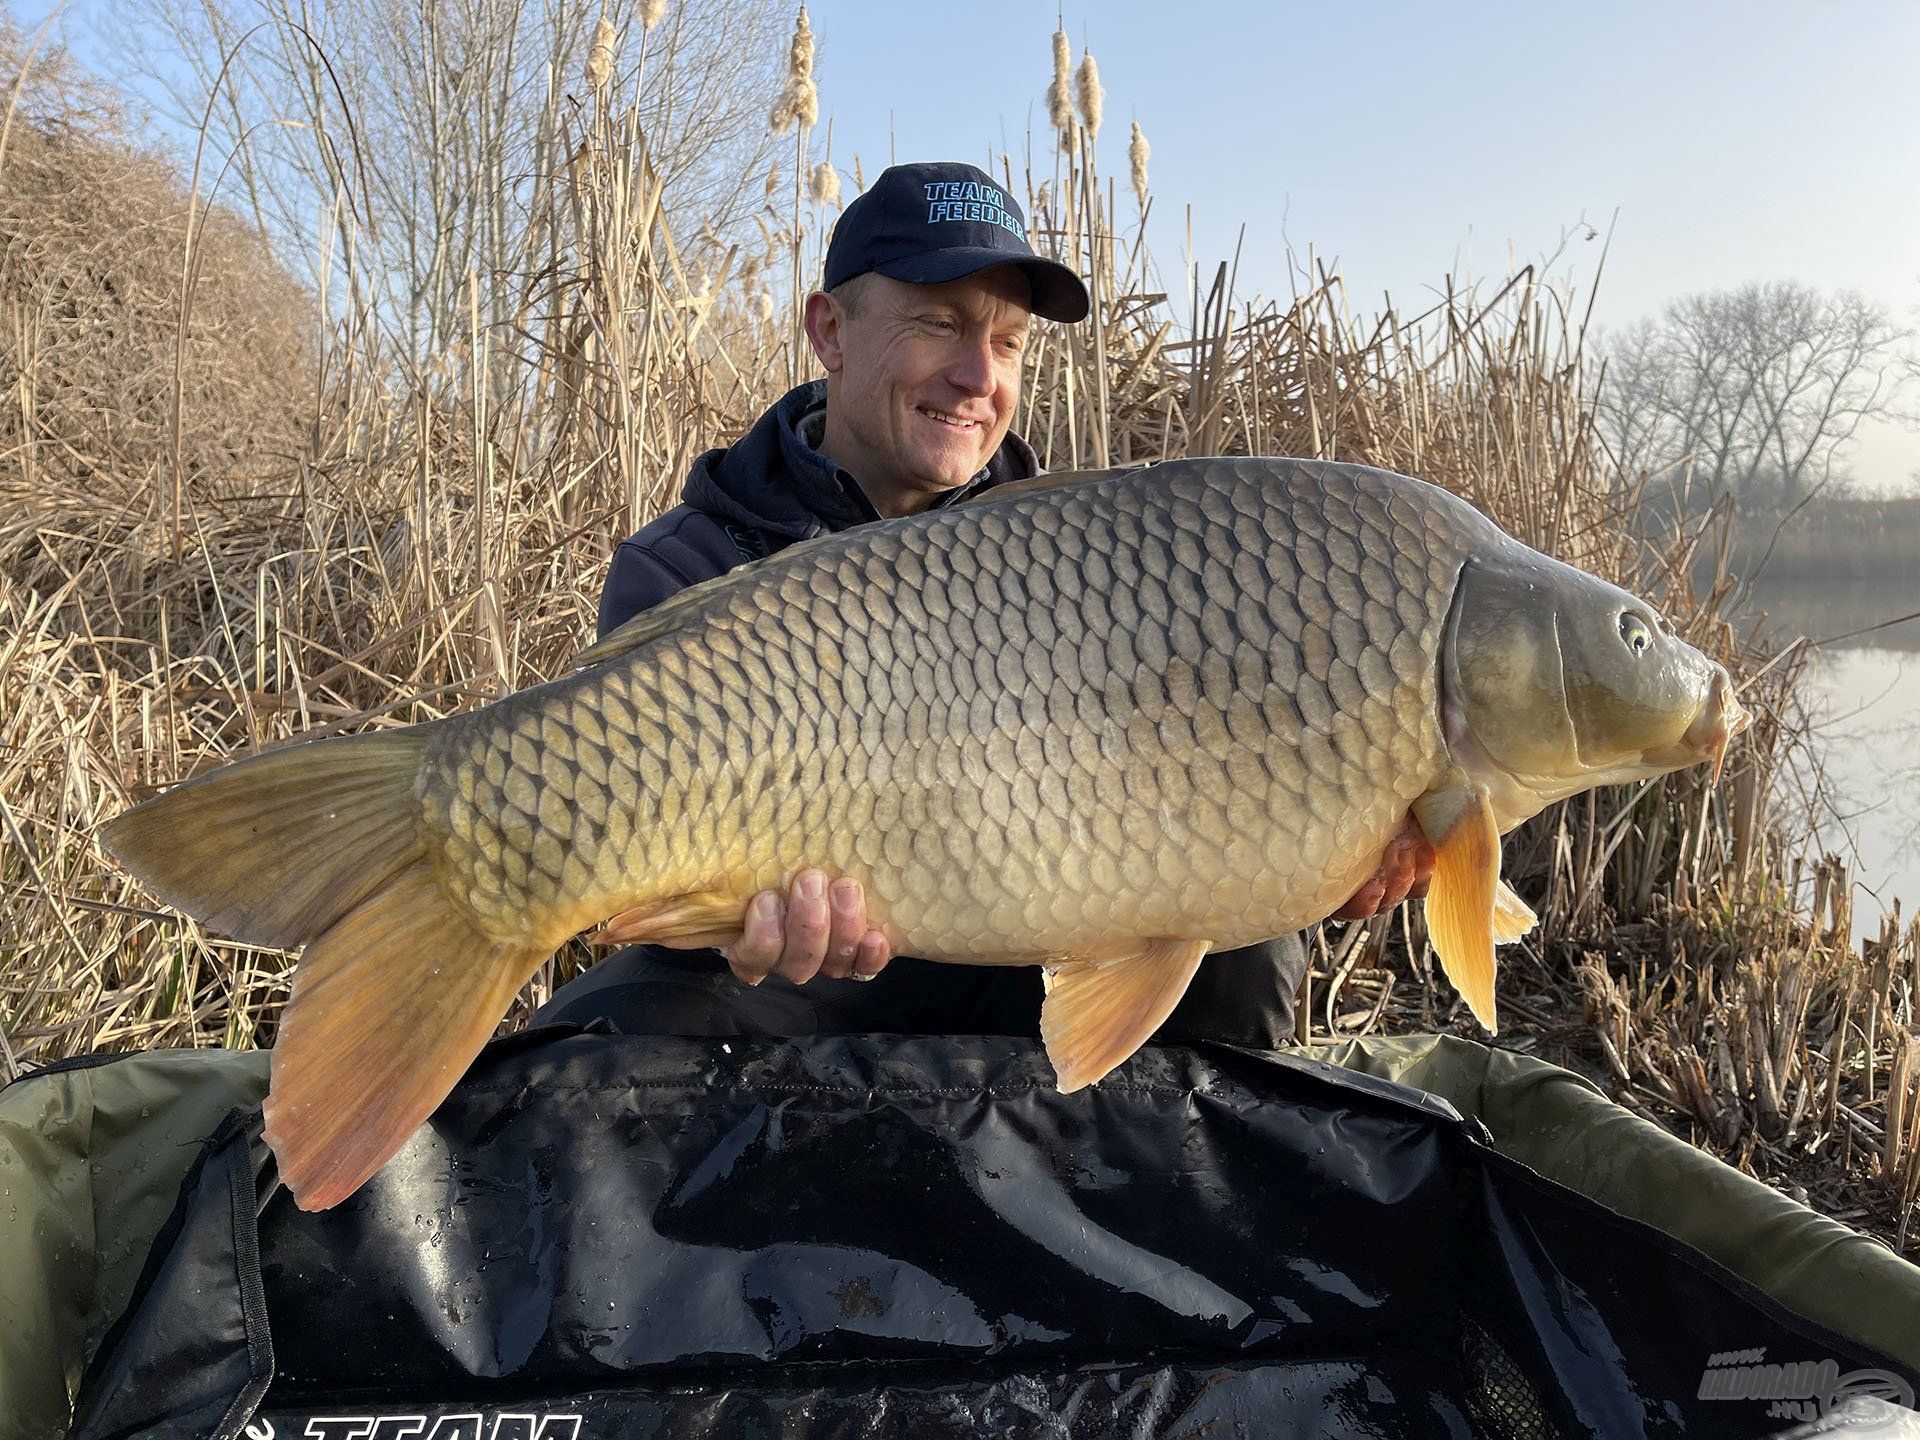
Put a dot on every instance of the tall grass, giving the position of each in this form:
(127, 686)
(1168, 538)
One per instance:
(403, 551)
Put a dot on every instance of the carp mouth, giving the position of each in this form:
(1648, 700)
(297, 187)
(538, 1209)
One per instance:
(1721, 717)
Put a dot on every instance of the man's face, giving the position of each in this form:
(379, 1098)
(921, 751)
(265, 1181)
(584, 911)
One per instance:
(924, 380)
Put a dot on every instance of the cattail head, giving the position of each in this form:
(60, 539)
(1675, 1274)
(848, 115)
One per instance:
(652, 12)
(1043, 197)
(859, 175)
(1091, 94)
(1137, 153)
(763, 305)
(800, 49)
(600, 54)
(824, 184)
(800, 100)
(1060, 94)
(806, 103)
(773, 177)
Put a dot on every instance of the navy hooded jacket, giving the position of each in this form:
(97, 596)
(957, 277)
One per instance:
(754, 498)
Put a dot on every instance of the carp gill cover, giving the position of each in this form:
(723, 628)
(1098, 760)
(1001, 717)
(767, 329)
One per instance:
(1100, 723)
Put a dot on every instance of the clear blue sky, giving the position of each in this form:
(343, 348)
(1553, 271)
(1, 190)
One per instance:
(1750, 141)
(1737, 141)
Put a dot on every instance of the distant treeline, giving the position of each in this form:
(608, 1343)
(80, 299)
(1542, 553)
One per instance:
(1832, 540)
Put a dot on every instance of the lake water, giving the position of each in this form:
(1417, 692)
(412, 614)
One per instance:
(1865, 701)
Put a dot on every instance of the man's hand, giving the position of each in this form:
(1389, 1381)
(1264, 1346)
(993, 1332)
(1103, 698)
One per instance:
(820, 929)
(1405, 870)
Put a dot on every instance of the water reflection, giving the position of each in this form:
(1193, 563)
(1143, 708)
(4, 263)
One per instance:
(1864, 699)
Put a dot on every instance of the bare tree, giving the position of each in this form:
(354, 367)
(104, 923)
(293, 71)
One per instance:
(1760, 387)
(414, 153)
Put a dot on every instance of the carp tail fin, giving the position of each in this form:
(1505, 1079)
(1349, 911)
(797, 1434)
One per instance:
(388, 1009)
(275, 848)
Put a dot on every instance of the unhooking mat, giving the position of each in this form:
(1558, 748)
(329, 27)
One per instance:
(880, 1235)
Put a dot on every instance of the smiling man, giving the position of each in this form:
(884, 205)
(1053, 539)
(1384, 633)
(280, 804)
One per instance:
(930, 294)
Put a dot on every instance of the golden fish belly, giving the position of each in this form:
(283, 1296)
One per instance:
(1195, 703)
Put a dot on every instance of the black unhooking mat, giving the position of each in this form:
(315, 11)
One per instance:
(884, 1236)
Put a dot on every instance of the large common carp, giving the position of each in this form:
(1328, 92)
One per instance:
(1101, 724)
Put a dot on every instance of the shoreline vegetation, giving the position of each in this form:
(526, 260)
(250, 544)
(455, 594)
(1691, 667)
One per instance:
(235, 510)
(1840, 542)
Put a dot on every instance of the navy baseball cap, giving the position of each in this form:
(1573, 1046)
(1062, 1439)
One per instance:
(927, 224)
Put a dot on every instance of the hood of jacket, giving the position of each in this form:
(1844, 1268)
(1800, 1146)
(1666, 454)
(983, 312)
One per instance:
(772, 479)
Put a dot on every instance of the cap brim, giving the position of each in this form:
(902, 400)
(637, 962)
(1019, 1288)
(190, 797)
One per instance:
(1057, 291)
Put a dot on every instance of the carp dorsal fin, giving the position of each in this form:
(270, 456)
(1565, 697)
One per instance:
(1098, 1012)
(679, 607)
(649, 624)
(1052, 481)
(1464, 895)
(675, 610)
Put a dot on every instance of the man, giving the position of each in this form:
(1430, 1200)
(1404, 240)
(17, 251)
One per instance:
(925, 312)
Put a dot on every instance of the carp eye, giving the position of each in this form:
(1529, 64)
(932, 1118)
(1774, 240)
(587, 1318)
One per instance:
(1634, 631)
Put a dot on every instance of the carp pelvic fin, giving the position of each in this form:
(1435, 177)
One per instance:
(389, 1007)
(1512, 916)
(693, 921)
(1462, 899)
(1098, 1012)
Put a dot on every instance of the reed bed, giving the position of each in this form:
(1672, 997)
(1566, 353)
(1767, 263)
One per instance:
(189, 573)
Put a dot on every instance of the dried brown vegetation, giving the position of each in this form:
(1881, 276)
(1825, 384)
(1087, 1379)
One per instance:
(408, 549)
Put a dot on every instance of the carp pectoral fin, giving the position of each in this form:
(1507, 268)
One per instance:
(1098, 1012)
(693, 921)
(1466, 879)
(1512, 916)
(389, 1007)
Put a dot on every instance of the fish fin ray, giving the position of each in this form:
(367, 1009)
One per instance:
(1512, 916)
(1098, 1012)
(1053, 481)
(275, 848)
(670, 614)
(389, 1008)
(1460, 902)
(692, 921)
(683, 605)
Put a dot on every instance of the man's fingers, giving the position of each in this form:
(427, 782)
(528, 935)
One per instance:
(817, 930)
(848, 923)
(872, 955)
(753, 956)
(808, 925)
